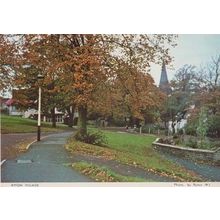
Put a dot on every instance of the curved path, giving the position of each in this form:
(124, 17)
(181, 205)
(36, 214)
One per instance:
(10, 143)
(45, 161)
(208, 172)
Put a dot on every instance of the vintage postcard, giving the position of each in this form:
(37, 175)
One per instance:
(100, 109)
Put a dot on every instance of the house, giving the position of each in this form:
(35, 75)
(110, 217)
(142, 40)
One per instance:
(12, 109)
(10, 106)
(33, 113)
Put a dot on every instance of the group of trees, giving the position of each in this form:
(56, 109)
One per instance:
(196, 92)
(105, 74)
(108, 75)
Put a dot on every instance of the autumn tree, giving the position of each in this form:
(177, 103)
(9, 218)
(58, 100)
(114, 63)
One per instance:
(135, 95)
(75, 61)
(85, 69)
(37, 51)
(133, 92)
(125, 61)
(8, 52)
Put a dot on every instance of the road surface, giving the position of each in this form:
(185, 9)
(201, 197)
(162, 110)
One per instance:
(45, 161)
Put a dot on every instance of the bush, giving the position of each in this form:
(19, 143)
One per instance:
(118, 122)
(214, 126)
(190, 129)
(180, 132)
(191, 143)
(166, 140)
(96, 138)
(176, 139)
(215, 144)
(175, 136)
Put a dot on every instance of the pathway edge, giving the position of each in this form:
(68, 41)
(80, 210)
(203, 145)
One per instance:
(27, 147)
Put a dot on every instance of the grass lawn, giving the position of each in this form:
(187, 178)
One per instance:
(134, 150)
(103, 174)
(13, 124)
(126, 142)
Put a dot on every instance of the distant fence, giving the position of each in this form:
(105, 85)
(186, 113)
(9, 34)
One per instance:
(191, 153)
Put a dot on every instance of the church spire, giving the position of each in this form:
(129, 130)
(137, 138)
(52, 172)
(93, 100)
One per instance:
(164, 83)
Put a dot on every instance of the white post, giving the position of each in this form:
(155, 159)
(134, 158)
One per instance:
(39, 114)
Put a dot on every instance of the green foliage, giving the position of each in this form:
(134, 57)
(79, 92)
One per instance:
(214, 126)
(176, 139)
(202, 125)
(94, 137)
(190, 129)
(175, 136)
(180, 132)
(215, 144)
(129, 142)
(149, 127)
(191, 143)
(119, 122)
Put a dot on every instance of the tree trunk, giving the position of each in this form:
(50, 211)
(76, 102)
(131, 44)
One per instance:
(166, 128)
(53, 116)
(70, 113)
(82, 122)
(131, 121)
(173, 127)
(70, 122)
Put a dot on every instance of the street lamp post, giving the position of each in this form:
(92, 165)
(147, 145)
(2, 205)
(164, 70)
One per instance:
(39, 77)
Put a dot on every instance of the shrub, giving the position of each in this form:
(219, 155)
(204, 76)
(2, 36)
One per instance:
(177, 141)
(191, 143)
(202, 125)
(180, 132)
(118, 122)
(166, 140)
(175, 136)
(190, 129)
(215, 144)
(214, 126)
(96, 138)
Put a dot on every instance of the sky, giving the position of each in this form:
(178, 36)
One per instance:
(196, 49)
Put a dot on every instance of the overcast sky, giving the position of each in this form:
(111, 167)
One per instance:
(191, 49)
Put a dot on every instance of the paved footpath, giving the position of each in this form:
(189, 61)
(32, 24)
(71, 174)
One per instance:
(10, 143)
(45, 161)
(208, 172)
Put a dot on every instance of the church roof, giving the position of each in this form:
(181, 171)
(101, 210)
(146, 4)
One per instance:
(164, 83)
